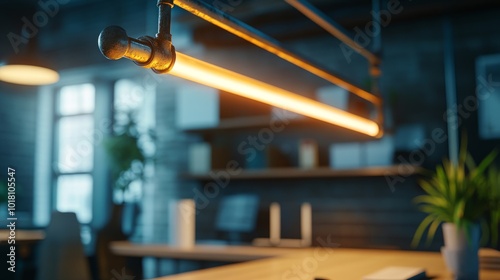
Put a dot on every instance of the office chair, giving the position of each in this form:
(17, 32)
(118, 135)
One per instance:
(61, 254)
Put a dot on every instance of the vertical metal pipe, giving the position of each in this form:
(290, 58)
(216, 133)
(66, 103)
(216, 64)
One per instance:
(377, 39)
(376, 48)
(375, 71)
(332, 27)
(164, 19)
(451, 91)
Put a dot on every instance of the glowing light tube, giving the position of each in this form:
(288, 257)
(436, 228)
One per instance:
(213, 76)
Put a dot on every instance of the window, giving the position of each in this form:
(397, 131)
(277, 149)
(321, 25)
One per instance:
(74, 150)
(73, 168)
(488, 97)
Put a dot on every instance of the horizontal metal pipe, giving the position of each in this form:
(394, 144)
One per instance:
(254, 36)
(332, 27)
(138, 51)
(114, 44)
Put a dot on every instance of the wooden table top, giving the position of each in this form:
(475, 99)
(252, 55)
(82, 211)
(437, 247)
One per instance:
(341, 264)
(22, 235)
(198, 252)
(291, 264)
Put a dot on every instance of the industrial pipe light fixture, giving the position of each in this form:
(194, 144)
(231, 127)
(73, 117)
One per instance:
(159, 54)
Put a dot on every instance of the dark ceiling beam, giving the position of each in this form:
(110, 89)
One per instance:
(289, 24)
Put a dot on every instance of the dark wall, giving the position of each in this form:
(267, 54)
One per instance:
(356, 212)
(18, 113)
(364, 212)
(17, 140)
(482, 38)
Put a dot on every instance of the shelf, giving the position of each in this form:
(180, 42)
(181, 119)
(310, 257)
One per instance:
(235, 124)
(240, 122)
(307, 127)
(322, 172)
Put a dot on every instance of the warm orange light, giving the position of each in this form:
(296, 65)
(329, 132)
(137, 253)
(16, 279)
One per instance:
(28, 75)
(213, 76)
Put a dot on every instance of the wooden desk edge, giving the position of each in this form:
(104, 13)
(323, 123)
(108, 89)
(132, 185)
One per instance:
(198, 252)
(269, 256)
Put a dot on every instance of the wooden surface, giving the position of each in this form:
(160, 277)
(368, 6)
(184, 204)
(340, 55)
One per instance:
(199, 252)
(321, 172)
(22, 235)
(281, 263)
(338, 264)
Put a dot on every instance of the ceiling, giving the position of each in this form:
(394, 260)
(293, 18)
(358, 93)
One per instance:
(80, 21)
(274, 17)
(281, 21)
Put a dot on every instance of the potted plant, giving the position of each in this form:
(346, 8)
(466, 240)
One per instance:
(128, 157)
(127, 154)
(465, 199)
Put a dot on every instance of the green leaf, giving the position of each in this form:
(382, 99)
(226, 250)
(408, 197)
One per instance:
(433, 200)
(421, 229)
(481, 168)
(432, 231)
(429, 188)
(458, 212)
(443, 213)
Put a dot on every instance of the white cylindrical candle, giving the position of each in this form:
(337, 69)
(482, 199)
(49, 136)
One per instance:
(274, 223)
(306, 224)
(182, 223)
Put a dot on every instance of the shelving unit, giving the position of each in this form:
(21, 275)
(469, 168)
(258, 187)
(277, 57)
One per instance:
(240, 119)
(321, 172)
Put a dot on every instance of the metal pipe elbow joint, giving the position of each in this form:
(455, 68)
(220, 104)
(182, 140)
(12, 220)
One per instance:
(148, 52)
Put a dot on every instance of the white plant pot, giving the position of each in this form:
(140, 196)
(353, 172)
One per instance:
(461, 252)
